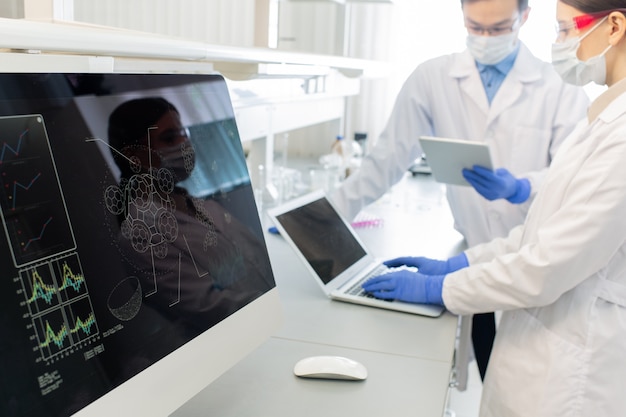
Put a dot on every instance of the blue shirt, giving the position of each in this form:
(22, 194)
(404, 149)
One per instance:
(493, 75)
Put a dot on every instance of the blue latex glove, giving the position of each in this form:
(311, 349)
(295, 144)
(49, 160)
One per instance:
(498, 184)
(429, 266)
(408, 286)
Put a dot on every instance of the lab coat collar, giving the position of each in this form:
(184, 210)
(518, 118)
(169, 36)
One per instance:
(603, 102)
(525, 67)
(525, 70)
(464, 69)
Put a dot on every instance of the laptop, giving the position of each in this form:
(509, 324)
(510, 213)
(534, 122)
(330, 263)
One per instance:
(333, 253)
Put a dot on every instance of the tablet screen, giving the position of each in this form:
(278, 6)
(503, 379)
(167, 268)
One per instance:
(448, 157)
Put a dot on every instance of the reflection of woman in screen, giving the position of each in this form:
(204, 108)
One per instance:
(195, 259)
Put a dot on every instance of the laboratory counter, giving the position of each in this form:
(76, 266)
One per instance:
(409, 358)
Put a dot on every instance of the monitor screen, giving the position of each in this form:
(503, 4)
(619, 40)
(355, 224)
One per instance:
(130, 240)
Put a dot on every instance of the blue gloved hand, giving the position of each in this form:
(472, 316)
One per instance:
(408, 286)
(498, 184)
(429, 266)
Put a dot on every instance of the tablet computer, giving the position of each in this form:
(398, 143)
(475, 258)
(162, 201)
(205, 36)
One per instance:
(448, 157)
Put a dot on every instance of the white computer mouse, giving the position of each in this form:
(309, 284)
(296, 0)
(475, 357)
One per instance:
(330, 367)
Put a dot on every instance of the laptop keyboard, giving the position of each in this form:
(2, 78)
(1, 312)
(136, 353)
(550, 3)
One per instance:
(357, 289)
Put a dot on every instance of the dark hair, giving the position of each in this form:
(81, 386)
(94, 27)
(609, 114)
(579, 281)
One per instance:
(129, 122)
(521, 4)
(594, 6)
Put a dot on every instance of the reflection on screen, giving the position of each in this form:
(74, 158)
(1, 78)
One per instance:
(129, 228)
(219, 167)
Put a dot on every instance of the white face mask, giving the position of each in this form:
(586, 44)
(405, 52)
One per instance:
(572, 69)
(179, 159)
(489, 50)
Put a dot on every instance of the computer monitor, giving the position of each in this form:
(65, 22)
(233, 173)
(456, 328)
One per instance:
(134, 267)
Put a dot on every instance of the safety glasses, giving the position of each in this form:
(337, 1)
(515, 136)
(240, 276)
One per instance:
(581, 22)
(497, 30)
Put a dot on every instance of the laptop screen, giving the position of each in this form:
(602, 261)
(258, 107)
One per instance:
(323, 238)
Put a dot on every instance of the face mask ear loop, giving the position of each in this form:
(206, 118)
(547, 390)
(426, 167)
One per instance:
(605, 51)
(594, 27)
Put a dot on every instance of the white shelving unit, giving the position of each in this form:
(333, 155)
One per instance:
(273, 91)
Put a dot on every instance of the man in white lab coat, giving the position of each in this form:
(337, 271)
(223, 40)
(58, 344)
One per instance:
(495, 92)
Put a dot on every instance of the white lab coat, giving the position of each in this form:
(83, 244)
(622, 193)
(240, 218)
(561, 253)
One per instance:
(528, 119)
(560, 349)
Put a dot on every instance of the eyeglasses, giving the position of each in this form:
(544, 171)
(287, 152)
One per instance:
(563, 29)
(172, 136)
(500, 29)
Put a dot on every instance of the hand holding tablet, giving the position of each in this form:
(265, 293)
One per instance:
(448, 157)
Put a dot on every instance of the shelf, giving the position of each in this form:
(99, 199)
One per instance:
(69, 38)
(272, 91)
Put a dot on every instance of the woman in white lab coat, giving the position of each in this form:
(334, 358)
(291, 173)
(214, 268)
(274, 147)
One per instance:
(560, 278)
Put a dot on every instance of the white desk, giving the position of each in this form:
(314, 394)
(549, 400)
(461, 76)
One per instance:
(408, 357)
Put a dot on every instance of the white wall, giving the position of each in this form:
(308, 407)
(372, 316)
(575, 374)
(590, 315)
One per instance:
(227, 22)
(404, 34)
(12, 9)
